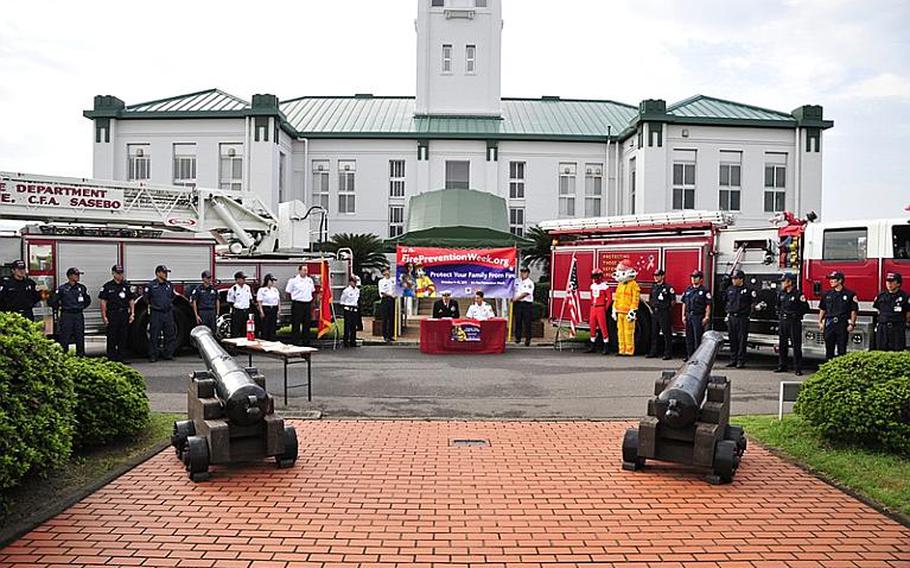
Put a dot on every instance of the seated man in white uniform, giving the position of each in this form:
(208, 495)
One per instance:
(480, 310)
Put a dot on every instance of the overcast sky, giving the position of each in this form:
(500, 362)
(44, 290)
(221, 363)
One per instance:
(853, 57)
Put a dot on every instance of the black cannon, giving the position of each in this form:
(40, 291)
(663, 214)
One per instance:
(231, 415)
(688, 419)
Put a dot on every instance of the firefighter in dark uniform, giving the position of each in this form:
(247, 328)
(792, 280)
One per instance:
(117, 312)
(837, 315)
(661, 301)
(791, 307)
(206, 302)
(159, 294)
(19, 293)
(893, 307)
(71, 299)
(738, 304)
(696, 311)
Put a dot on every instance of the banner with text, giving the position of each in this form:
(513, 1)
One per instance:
(644, 261)
(427, 272)
(30, 194)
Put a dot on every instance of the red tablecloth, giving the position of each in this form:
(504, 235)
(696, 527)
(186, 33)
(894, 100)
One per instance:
(463, 336)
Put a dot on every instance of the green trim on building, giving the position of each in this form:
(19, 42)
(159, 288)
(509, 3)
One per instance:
(366, 116)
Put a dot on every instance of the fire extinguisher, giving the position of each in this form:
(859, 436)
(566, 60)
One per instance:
(250, 328)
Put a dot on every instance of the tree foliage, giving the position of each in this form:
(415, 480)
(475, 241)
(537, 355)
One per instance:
(537, 254)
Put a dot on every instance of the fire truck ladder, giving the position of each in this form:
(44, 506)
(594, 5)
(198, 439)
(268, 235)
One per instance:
(248, 221)
(654, 221)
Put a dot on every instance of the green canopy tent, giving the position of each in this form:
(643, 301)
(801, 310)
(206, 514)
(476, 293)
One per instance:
(458, 218)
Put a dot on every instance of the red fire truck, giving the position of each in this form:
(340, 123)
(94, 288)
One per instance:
(680, 242)
(141, 226)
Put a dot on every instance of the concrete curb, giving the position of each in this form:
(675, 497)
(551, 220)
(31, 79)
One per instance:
(8, 534)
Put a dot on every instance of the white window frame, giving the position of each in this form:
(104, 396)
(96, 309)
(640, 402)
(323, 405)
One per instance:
(228, 176)
(450, 183)
(517, 221)
(776, 190)
(396, 220)
(633, 183)
(321, 178)
(729, 190)
(138, 162)
(567, 193)
(470, 59)
(684, 189)
(184, 164)
(282, 176)
(517, 170)
(447, 58)
(347, 181)
(594, 189)
(397, 169)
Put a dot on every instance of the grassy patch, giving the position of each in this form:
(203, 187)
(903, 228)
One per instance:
(880, 476)
(84, 468)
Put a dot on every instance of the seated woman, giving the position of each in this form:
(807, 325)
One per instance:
(480, 310)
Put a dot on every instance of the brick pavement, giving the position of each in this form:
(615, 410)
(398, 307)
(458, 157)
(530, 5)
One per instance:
(398, 493)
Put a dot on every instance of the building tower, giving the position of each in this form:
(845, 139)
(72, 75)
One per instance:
(458, 57)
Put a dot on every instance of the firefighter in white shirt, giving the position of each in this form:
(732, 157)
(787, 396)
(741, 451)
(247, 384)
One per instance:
(387, 305)
(480, 310)
(523, 304)
(239, 296)
(300, 290)
(597, 318)
(350, 303)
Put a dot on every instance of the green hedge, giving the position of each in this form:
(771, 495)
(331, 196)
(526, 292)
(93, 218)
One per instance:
(369, 294)
(861, 398)
(112, 403)
(36, 401)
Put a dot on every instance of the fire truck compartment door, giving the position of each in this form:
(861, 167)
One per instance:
(95, 261)
(186, 260)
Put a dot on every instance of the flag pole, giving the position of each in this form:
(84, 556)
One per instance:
(557, 344)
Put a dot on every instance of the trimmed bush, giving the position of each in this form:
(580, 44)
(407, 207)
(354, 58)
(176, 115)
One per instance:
(112, 403)
(861, 398)
(36, 412)
(369, 294)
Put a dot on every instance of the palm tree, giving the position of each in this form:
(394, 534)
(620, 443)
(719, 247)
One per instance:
(537, 253)
(368, 252)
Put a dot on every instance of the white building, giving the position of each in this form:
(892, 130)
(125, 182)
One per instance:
(363, 156)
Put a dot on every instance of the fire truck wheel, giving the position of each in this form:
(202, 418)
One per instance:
(138, 334)
(643, 330)
(223, 325)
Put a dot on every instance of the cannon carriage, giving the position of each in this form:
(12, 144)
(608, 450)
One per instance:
(688, 420)
(231, 415)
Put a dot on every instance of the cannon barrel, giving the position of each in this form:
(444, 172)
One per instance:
(678, 405)
(245, 402)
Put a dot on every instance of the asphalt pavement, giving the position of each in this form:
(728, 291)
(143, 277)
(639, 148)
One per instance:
(527, 383)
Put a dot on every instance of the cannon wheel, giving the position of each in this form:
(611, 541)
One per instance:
(630, 459)
(196, 458)
(726, 460)
(183, 429)
(736, 434)
(289, 457)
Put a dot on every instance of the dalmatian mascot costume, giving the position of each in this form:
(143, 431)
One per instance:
(625, 306)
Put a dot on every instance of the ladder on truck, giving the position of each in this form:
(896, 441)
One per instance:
(244, 221)
(647, 221)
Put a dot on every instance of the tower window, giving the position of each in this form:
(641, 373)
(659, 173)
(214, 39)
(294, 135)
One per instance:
(437, 3)
(480, 3)
(446, 58)
(470, 54)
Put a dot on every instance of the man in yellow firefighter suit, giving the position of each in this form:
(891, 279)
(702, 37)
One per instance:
(625, 307)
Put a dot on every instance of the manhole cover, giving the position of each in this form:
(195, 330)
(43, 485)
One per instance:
(470, 442)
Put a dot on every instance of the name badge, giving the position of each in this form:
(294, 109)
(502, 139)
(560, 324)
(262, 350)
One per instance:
(122, 294)
(660, 296)
(897, 308)
(81, 299)
(845, 298)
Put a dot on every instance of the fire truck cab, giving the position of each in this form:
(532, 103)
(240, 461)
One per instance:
(680, 242)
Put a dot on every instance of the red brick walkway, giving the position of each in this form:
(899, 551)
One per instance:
(397, 493)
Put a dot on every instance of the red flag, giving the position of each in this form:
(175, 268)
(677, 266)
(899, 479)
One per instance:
(325, 300)
(573, 296)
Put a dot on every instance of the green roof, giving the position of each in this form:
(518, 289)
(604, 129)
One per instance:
(457, 218)
(211, 100)
(547, 118)
(701, 106)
